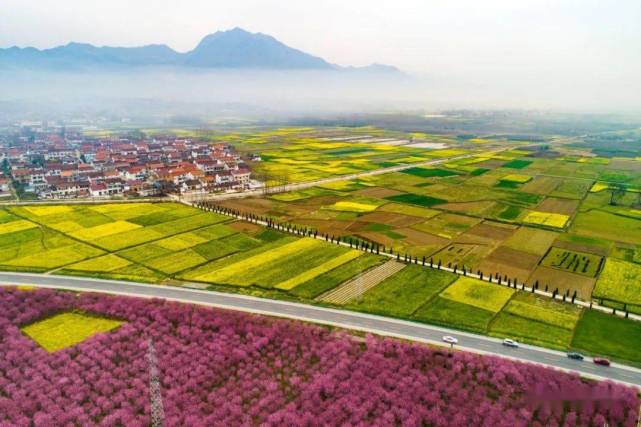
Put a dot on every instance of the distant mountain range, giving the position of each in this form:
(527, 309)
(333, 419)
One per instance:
(233, 49)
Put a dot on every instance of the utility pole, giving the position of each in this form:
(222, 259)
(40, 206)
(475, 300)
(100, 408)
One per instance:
(157, 410)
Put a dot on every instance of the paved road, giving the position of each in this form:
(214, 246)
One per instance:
(340, 318)
(309, 184)
(252, 193)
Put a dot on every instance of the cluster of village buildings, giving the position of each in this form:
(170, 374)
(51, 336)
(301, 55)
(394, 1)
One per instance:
(55, 166)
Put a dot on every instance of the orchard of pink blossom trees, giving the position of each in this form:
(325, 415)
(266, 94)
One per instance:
(228, 368)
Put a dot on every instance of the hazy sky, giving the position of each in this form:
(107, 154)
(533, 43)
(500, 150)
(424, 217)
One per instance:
(417, 35)
(556, 45)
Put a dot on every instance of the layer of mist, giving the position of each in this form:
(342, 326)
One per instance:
(266, 94)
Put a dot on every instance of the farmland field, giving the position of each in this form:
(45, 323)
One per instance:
(478, 294)
(604, 335)
(537, 320)
(518, 214)
(546, 218)
(403, 293)
(324, 282)
(620, 281)
(531, 240)
(439, 213)
(574, 262)
(67, 329)
(447, 312)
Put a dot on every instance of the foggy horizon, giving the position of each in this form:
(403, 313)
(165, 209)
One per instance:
(567, 56)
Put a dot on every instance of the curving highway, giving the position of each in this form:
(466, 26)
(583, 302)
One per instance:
(339, 318)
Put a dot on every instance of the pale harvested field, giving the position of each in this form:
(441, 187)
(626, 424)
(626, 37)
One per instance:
(376, 237)
(563, 280)
(246, 227)
(419, 238)
(389, 218)
(356, 287)
(490, 164)
(494, 231)
(318, 202)
(510, 262)
(323, 226)
(429, 145)
(542, 185)
(531, 240)
(447, 225)
(416, 211)
(463, 254)
(627, 165)
(469, 207)
(255, 206)
(473, 239)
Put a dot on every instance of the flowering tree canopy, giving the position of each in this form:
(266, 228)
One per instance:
(219, 367)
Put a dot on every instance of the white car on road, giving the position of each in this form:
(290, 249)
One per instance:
(450, 339)
(508, 342)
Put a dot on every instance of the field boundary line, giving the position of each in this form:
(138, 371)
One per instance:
(443, 329)
(347, 326)
(342, 294)
(309, 233)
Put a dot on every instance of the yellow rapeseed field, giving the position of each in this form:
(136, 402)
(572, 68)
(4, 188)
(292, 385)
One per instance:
(352, 207)
(103, 230)
(546, 218)
(256, 261)
(48, 210)
(317, 271)
(19, 225)
(67, 329)
(598, 186)
(478, 294)
(517, 178)
(105, 263)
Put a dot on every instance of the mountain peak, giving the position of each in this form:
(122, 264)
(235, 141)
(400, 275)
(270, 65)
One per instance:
(234, 48)
(235, 33)
(238, 48)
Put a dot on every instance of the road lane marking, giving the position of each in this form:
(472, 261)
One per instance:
(347, 319)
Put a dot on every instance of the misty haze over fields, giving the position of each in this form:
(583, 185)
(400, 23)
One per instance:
(306, 91)
(564, 56)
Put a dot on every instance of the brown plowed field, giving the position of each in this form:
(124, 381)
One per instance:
(564, 281)
(560, 206)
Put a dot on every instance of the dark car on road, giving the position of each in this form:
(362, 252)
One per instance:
(601, 361)
(575, 356)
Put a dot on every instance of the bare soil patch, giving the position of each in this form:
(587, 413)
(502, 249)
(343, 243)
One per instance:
(492, 231)
(627, 165)
(391, 219)
(255, 206)
(419, 238)
(378, 192)
(510, 262)
(331, 227)
(542, 185)
(373, 236)
(490, 164)
(582, 247)
(469, 207)
(560, 206)
(463, 254)
(531, 240)
(564, 281)
(246, 227)
(319, 202)
(549, 154)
